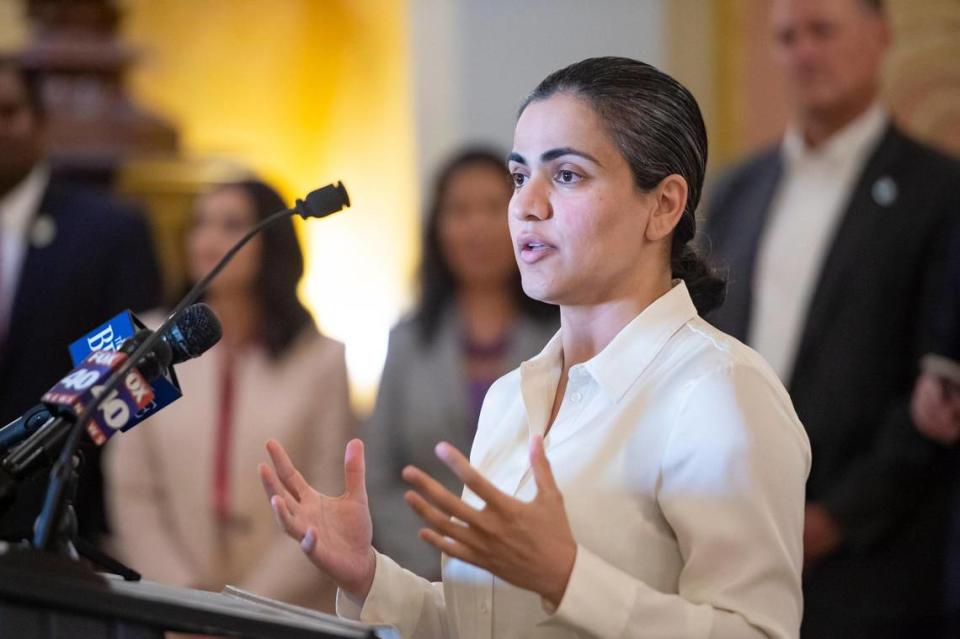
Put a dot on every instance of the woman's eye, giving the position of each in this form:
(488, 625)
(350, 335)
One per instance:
(566, 176)
(518, 179)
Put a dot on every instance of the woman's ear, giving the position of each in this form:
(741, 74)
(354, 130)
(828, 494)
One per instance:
(669, 201)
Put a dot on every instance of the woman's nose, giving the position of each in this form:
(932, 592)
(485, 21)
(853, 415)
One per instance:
(530, 201)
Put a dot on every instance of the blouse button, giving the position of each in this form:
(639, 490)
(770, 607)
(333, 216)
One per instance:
(576, 397)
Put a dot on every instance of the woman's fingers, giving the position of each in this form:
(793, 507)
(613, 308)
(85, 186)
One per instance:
(282, 502)
(309, 540)
(354, 471)
(286, 519)
(273, 486)
(274, 508)
(470, 476)
(441, 521)
(286, 471)
(440, 496)
(452, 547)
(263, 472)
(542, 472)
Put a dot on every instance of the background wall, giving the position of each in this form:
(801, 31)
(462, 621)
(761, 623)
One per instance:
(474, 61)
(306, 95)
(921, 76)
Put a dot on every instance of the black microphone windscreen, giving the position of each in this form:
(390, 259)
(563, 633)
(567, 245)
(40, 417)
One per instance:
(194, 333)
(323, 202)
(153, 363)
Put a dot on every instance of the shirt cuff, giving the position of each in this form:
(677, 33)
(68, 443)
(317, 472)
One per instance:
(395, 598)
(347, 607)
(598, 598)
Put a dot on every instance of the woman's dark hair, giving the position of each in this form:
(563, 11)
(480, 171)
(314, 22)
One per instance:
(438, 286)
(282, 316)
(656, 124)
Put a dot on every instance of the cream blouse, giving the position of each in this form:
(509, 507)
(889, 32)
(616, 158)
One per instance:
(682, 465)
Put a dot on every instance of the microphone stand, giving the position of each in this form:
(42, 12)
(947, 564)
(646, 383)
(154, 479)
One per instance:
(67, 545)
(320, 203)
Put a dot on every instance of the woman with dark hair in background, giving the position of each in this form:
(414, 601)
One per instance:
(644, 475)
(183, 506)
(473, 324)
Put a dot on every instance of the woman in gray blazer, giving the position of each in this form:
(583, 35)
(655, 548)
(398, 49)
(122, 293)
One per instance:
(472, 325)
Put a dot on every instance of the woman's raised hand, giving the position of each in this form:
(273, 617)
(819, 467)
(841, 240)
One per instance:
(335, 532)
(529, 544)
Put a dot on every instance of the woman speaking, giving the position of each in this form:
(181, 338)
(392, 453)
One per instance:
(643, 476)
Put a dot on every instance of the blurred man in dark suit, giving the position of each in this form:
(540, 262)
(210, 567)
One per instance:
(833, 242)
(70, 258)
(935, 408)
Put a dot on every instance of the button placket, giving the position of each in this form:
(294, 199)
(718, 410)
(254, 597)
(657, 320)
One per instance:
(578, 379)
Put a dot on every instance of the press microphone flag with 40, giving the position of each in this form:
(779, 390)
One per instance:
(85, 383)
(110, 336)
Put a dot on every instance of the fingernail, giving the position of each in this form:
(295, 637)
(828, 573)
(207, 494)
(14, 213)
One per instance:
(306, 544)
(441, 450)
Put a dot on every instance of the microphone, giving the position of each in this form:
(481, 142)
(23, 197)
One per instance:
(24, 426)
(36, 439)
(318, 204)
(82, 387)
(194, 333)
(323, 202)
(72, 396)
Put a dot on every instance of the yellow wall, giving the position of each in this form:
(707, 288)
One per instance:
(305, 92)
(13, 25)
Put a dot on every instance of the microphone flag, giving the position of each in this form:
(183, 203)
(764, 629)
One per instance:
(85, 383)
(110, 336)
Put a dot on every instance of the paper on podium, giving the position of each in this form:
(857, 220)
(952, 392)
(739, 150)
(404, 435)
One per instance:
(240, 606)
(281, 607)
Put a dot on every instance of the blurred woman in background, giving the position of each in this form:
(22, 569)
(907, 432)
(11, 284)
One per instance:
(272, 375)
(472, 325)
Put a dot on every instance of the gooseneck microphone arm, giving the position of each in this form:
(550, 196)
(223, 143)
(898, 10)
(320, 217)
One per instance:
(320, 203)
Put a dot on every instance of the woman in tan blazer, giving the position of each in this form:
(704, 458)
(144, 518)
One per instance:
(184, 506)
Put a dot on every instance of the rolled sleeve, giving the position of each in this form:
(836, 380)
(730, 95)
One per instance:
(607, 602)
(398, 598)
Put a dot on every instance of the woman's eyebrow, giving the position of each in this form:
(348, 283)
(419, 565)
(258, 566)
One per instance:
(553, 154)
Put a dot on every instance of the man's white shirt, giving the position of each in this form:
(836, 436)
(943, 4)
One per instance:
(813, 193)
(17, 209)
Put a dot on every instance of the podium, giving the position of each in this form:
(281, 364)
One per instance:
(46, 597)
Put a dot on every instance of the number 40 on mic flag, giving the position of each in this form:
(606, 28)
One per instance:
(108, 337)
(85, 383)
